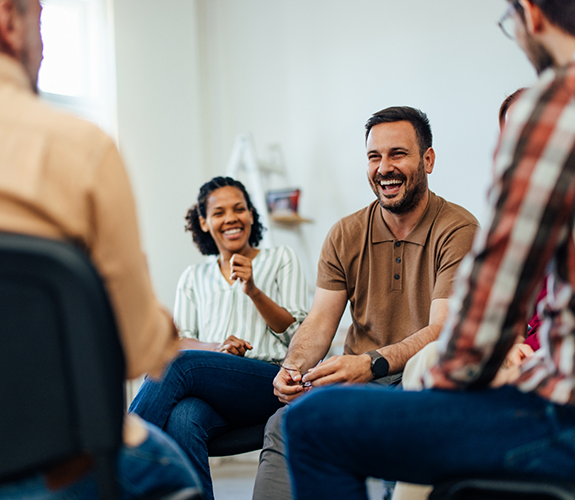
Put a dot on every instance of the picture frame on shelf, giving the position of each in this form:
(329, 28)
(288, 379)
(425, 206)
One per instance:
(283, 205)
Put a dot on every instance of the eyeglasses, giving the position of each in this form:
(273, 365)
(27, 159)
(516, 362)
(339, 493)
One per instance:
(302, 383)
(507, 23)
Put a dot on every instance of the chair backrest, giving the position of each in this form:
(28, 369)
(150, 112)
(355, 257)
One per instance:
(62, 367)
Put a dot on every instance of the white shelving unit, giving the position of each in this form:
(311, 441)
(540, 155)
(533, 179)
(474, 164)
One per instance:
(245, 166)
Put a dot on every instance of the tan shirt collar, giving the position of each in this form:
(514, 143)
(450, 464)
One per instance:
(418, 234)
(12, 72)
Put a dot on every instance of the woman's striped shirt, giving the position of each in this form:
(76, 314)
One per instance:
(209, 309)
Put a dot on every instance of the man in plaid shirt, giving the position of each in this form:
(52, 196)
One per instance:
(483, 415)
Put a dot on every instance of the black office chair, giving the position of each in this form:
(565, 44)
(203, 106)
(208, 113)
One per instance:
(236, 441)
(62, 367)
(503, 489)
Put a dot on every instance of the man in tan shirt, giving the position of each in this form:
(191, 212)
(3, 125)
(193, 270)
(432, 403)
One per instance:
(62, 178)
(394, 261)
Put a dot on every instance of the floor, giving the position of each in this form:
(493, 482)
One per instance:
(234, 478)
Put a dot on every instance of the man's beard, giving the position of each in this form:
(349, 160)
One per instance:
(537, 53)
(412, 196)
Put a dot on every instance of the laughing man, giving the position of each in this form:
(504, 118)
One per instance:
(394, 261)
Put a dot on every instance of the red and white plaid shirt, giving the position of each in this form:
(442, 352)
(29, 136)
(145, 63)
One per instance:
(529, 231)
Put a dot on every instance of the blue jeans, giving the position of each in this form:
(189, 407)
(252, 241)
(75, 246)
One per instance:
(339, 436)
(202, 395)
(157, 464)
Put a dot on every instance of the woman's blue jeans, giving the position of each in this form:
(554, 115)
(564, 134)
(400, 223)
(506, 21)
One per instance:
(339, 436)
(203, 394)
(157, 464)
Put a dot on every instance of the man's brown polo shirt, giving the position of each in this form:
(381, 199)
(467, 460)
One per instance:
(390, 283)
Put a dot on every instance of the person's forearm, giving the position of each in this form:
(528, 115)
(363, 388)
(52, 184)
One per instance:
(310, 344)
(312, 339)
(398, 354)
(186, 343)
(277, 317)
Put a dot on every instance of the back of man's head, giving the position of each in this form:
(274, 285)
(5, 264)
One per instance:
(20, 35)
(416, 117)
(561, 13)
(18, 6)
(21, 5)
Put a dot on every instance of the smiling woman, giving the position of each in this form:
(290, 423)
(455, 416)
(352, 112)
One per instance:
(236, 315)
(224, 194)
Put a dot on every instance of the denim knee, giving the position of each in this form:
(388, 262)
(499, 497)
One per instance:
(156, 464)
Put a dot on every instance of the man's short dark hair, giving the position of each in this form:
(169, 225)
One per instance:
(416, 117)
(559, 12)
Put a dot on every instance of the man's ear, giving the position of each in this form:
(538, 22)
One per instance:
(534, 20)
(11, 29)
(429, 160)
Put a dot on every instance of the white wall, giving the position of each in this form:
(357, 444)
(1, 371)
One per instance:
(305, 74)
(159, 126)
(308, 73)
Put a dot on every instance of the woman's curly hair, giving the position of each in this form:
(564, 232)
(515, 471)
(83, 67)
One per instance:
(204, 240)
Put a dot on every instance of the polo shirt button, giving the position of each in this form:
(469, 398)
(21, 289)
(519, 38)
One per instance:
(398, 243)
(396, 276)
(398, 260)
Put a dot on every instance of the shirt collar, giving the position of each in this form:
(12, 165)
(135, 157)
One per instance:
(418, 234)
(12, 72)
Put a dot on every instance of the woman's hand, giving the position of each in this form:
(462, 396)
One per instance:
(517, 354)
(510, 369)
(277, 317)
(235, 346)
(241, 268)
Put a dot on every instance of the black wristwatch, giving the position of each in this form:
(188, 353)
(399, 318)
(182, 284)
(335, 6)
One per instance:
(379, 365)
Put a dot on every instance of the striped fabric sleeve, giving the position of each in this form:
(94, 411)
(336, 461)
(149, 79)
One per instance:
(293, 290)
(185, 310)
(529, 210)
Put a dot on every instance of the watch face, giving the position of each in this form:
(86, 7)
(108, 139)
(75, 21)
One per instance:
(380, 367)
